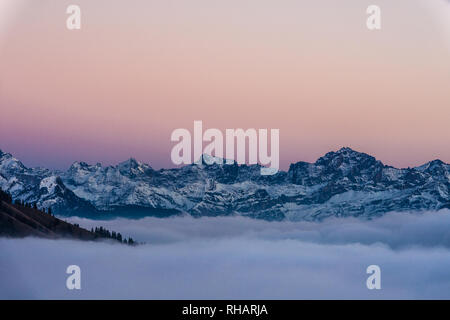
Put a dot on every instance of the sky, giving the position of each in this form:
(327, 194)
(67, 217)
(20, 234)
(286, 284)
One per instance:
(137, 70)
(238, 258)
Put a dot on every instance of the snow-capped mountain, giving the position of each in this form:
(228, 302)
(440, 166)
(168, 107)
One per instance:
(40, 186)
(341, 183)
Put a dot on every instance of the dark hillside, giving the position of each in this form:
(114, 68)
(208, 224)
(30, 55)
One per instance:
(23, 220)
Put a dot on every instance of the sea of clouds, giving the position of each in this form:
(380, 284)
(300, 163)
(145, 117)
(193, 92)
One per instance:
(238, 258)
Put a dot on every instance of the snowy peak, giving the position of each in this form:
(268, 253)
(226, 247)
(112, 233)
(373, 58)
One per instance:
(336, 166)
(437, 169)
(9, 163)
(50, 184)
(346, 157)
(130, 163)
(83, 168)
(130, 167)
(134, 168)
(433, 166)
(207, 159)
(80, 165)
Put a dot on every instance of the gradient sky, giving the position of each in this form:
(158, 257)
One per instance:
(137, 70)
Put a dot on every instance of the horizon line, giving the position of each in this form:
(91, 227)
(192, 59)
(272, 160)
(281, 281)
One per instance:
(340, 150)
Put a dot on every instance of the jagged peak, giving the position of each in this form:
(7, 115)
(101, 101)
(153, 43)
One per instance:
(124, 166)
(5, 154)
(80, 164)
(436, 163)
(346, 150)
(350, 152)
(209, 160)
(9, 161)
(131, 162)
(345, 153)
(133, 166)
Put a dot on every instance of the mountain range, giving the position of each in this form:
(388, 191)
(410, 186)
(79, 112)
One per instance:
(340, 183)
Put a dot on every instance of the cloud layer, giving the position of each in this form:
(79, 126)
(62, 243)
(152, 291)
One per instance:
(239, 258)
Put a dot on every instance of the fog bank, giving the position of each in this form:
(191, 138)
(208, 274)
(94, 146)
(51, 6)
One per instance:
(238, 258)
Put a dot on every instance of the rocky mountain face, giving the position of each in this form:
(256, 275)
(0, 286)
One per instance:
(341, 183)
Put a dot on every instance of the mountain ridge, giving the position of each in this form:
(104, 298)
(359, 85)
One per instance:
(340, 183)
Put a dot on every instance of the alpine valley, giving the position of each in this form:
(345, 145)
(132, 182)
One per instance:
(341, 183)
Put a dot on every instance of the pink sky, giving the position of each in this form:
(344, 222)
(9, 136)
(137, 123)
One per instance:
(137, 70)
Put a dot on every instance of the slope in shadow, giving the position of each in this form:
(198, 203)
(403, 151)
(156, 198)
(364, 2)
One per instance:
(19, 220)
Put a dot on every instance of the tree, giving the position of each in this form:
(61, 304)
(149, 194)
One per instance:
(5, 196)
